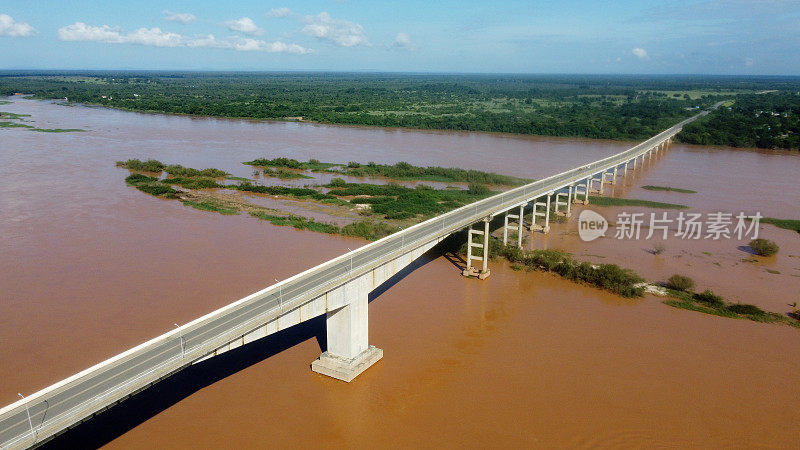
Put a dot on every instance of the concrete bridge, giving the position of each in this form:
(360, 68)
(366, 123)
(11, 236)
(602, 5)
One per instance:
(338, 289)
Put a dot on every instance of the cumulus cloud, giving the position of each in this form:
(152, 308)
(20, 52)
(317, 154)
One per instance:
(403, 40)
(340, 32)
(640, 53)
(9, 27)
(155, 37)
(244, 25)
(179, 17)
(279, 12)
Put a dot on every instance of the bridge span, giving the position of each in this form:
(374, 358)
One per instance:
(338, 288)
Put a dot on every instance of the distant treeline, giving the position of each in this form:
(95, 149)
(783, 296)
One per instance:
(770, 120)
(609, 107)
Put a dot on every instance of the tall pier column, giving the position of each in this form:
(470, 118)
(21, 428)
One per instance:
(559, 203)
(614, 176)
(585, 193)
(518, 227)
(546, 214)
(472, 271)
(349, 352)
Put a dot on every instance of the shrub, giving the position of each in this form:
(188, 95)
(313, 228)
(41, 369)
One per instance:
(680, 283)
(709, 298)
(764, 247)
(747, 309)
(353, 165)
(338, 182)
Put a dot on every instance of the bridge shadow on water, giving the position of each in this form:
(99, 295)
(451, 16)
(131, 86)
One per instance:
(119, 419)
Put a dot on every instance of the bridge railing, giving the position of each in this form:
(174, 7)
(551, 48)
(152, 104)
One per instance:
(56, 407)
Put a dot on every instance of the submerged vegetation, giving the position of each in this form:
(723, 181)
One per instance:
(668, 189)
(616, 201)
(610, 277)
(401, 171)
(710, 303)
(787, 224)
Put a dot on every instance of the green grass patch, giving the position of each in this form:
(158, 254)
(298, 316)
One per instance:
(239, 179)
(787, 224)
(616, 201)
(178, 170)
(150, 185)
(56, 130)
(369, 229)
(302, 193)
(13, 116)
(151, 165)
(406, 171)
(283, 174)
(301, 223)
(193, 182)
(401, 202)
(290, 163)
(13, 125)
(709, 303)
(668, 189)
(208, 205)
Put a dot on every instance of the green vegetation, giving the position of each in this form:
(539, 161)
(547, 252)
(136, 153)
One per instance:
(710, 303)
(787, 224)
(609, 277)
(12, 116)
(680, 283)
(283, 174)
(400, 202)
(406, 171)
(369, 229)
(764, 247)
(151, 165)
(301, 193)
(616, 201)
(56, 130)
(593, 106)
(13, 125)
(668, 189)
(150, 185)
(210, 205)
(289, 163)
(177, 170)
(193, 182)
(301, 223)
(767, 120)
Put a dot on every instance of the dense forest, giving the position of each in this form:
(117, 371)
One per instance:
(607, 107)
(767, 120)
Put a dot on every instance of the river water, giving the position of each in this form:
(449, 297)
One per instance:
(90, 267)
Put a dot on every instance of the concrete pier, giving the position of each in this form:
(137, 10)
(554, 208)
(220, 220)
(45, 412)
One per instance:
(545, 228)
(517, 228)
(472, 271)
(349, 352)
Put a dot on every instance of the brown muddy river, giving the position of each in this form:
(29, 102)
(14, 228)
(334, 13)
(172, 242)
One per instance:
(90, 267)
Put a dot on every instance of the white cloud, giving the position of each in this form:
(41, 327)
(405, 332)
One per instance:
(748, 62)
(640, 53)
(279, 12)
(155, 37)
(179, 17)
(341, 32)
(403, 40)
(244, 25)
(8, 27)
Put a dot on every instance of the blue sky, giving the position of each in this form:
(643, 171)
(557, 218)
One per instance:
(699, 36)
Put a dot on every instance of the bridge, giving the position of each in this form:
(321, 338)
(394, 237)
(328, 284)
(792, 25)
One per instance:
(338, 288)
